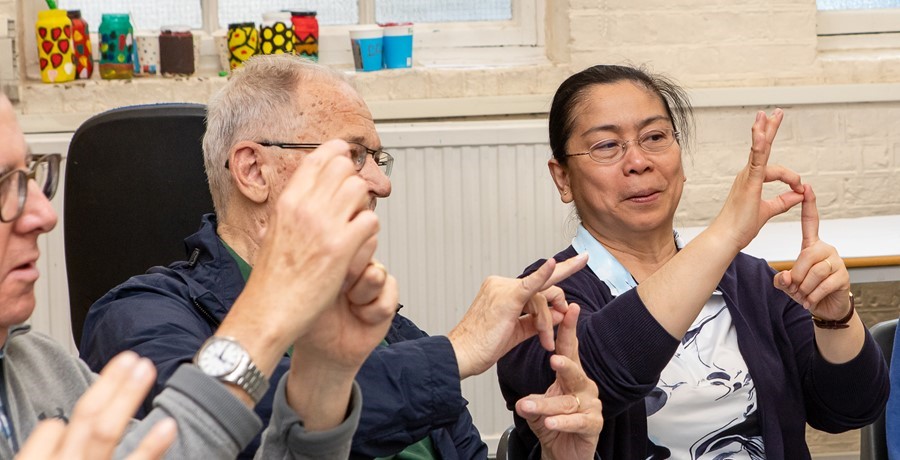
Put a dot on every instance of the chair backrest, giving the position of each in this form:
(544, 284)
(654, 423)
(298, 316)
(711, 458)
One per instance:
(134, 188)
(873, 439)
(510, 446)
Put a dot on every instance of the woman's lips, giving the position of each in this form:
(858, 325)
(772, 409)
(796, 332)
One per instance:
(644, 196)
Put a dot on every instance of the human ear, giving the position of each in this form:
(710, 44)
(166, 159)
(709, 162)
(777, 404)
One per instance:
(246, 163)
(560, 175)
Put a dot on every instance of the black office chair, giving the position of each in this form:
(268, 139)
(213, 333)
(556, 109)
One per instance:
(135, 187)
(510, 446)
(873, 444)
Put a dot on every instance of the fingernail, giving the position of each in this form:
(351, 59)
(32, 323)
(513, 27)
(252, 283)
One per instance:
(759, 116)
(141, 370)
(529, 406)
(551, 423)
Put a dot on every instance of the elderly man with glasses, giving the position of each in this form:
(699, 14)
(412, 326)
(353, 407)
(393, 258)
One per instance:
(205, 410)
(260, 128)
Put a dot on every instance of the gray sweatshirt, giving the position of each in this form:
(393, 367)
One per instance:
(41, 379)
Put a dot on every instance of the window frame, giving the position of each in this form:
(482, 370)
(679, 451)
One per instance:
(856, 22)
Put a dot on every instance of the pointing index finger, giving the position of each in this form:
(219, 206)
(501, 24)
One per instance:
(809, 218)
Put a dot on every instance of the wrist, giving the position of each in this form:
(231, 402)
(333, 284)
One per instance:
(840, 323)
(461, 353)
(320, 395)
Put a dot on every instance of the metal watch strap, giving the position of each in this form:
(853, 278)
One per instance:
(253, 382)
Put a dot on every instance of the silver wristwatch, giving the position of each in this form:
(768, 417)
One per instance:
(225, 359)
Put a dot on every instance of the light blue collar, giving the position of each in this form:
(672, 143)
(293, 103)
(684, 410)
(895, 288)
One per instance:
(604, 265)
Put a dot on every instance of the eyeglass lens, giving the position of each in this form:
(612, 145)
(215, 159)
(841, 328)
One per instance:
(14, 185)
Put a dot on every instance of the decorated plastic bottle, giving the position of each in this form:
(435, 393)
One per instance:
(54, 38)
(116, 47)
(276, 34)
(243, 43)
(306, 34)
(81, 39)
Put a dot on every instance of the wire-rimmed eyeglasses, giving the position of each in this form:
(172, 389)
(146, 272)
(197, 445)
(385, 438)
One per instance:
(612, 150)
(44, 169)
(358, 154)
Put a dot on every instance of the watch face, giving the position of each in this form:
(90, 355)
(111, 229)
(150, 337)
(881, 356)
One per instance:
(219, 358)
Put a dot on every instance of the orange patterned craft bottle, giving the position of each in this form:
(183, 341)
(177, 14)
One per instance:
(81, 39)
(306, 34)
(276, 35)
(54, 38)
(243, 43)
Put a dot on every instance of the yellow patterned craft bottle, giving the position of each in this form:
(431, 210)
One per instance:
(54, 38)
(276, 34)
(243, 43)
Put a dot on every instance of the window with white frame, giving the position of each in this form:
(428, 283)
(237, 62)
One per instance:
(857, 17)
(444, 29)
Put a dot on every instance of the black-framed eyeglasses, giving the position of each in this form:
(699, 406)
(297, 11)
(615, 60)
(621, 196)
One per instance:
(44, 169)
(610, 151)
(358, 154)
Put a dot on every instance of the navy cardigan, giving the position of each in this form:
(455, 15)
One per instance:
(624, 349)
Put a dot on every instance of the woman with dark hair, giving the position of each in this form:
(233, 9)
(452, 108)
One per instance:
(699, 351)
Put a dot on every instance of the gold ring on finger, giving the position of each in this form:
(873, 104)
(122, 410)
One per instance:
(830, 267)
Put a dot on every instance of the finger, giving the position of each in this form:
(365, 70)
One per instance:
(369, 285)
(533, 283)
(785, 175)
(590, 423)
(44, 441)
(85, 432)
(809, 218)
(535, 405)
(361, 262)
(571, 376)
(780, 204)
(542, 320)
(556, 298)
(306, 177)
(837, 282)
(808, 258)
(774, 122)
(350, 198)
(110, 424)
(760, 146)
(361, 229)
(565, 269)
(566, 339)
(157, 441)
(818, 273)
(383, 308)
(782, 281)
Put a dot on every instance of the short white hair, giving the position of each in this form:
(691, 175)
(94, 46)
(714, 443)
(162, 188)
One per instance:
(258, 103)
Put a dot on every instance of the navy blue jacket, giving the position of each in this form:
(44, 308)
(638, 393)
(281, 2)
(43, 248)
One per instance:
(410, 389)
(624, 350)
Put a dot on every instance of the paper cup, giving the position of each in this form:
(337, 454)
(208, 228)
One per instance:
(398, 45)
(367, 48)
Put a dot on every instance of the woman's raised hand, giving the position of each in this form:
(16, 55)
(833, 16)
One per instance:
(819, 279)
(745, 212)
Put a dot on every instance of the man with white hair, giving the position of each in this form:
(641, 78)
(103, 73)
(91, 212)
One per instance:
(261, 128)
(210, 398)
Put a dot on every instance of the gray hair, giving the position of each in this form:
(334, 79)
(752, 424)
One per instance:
(258, 103)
